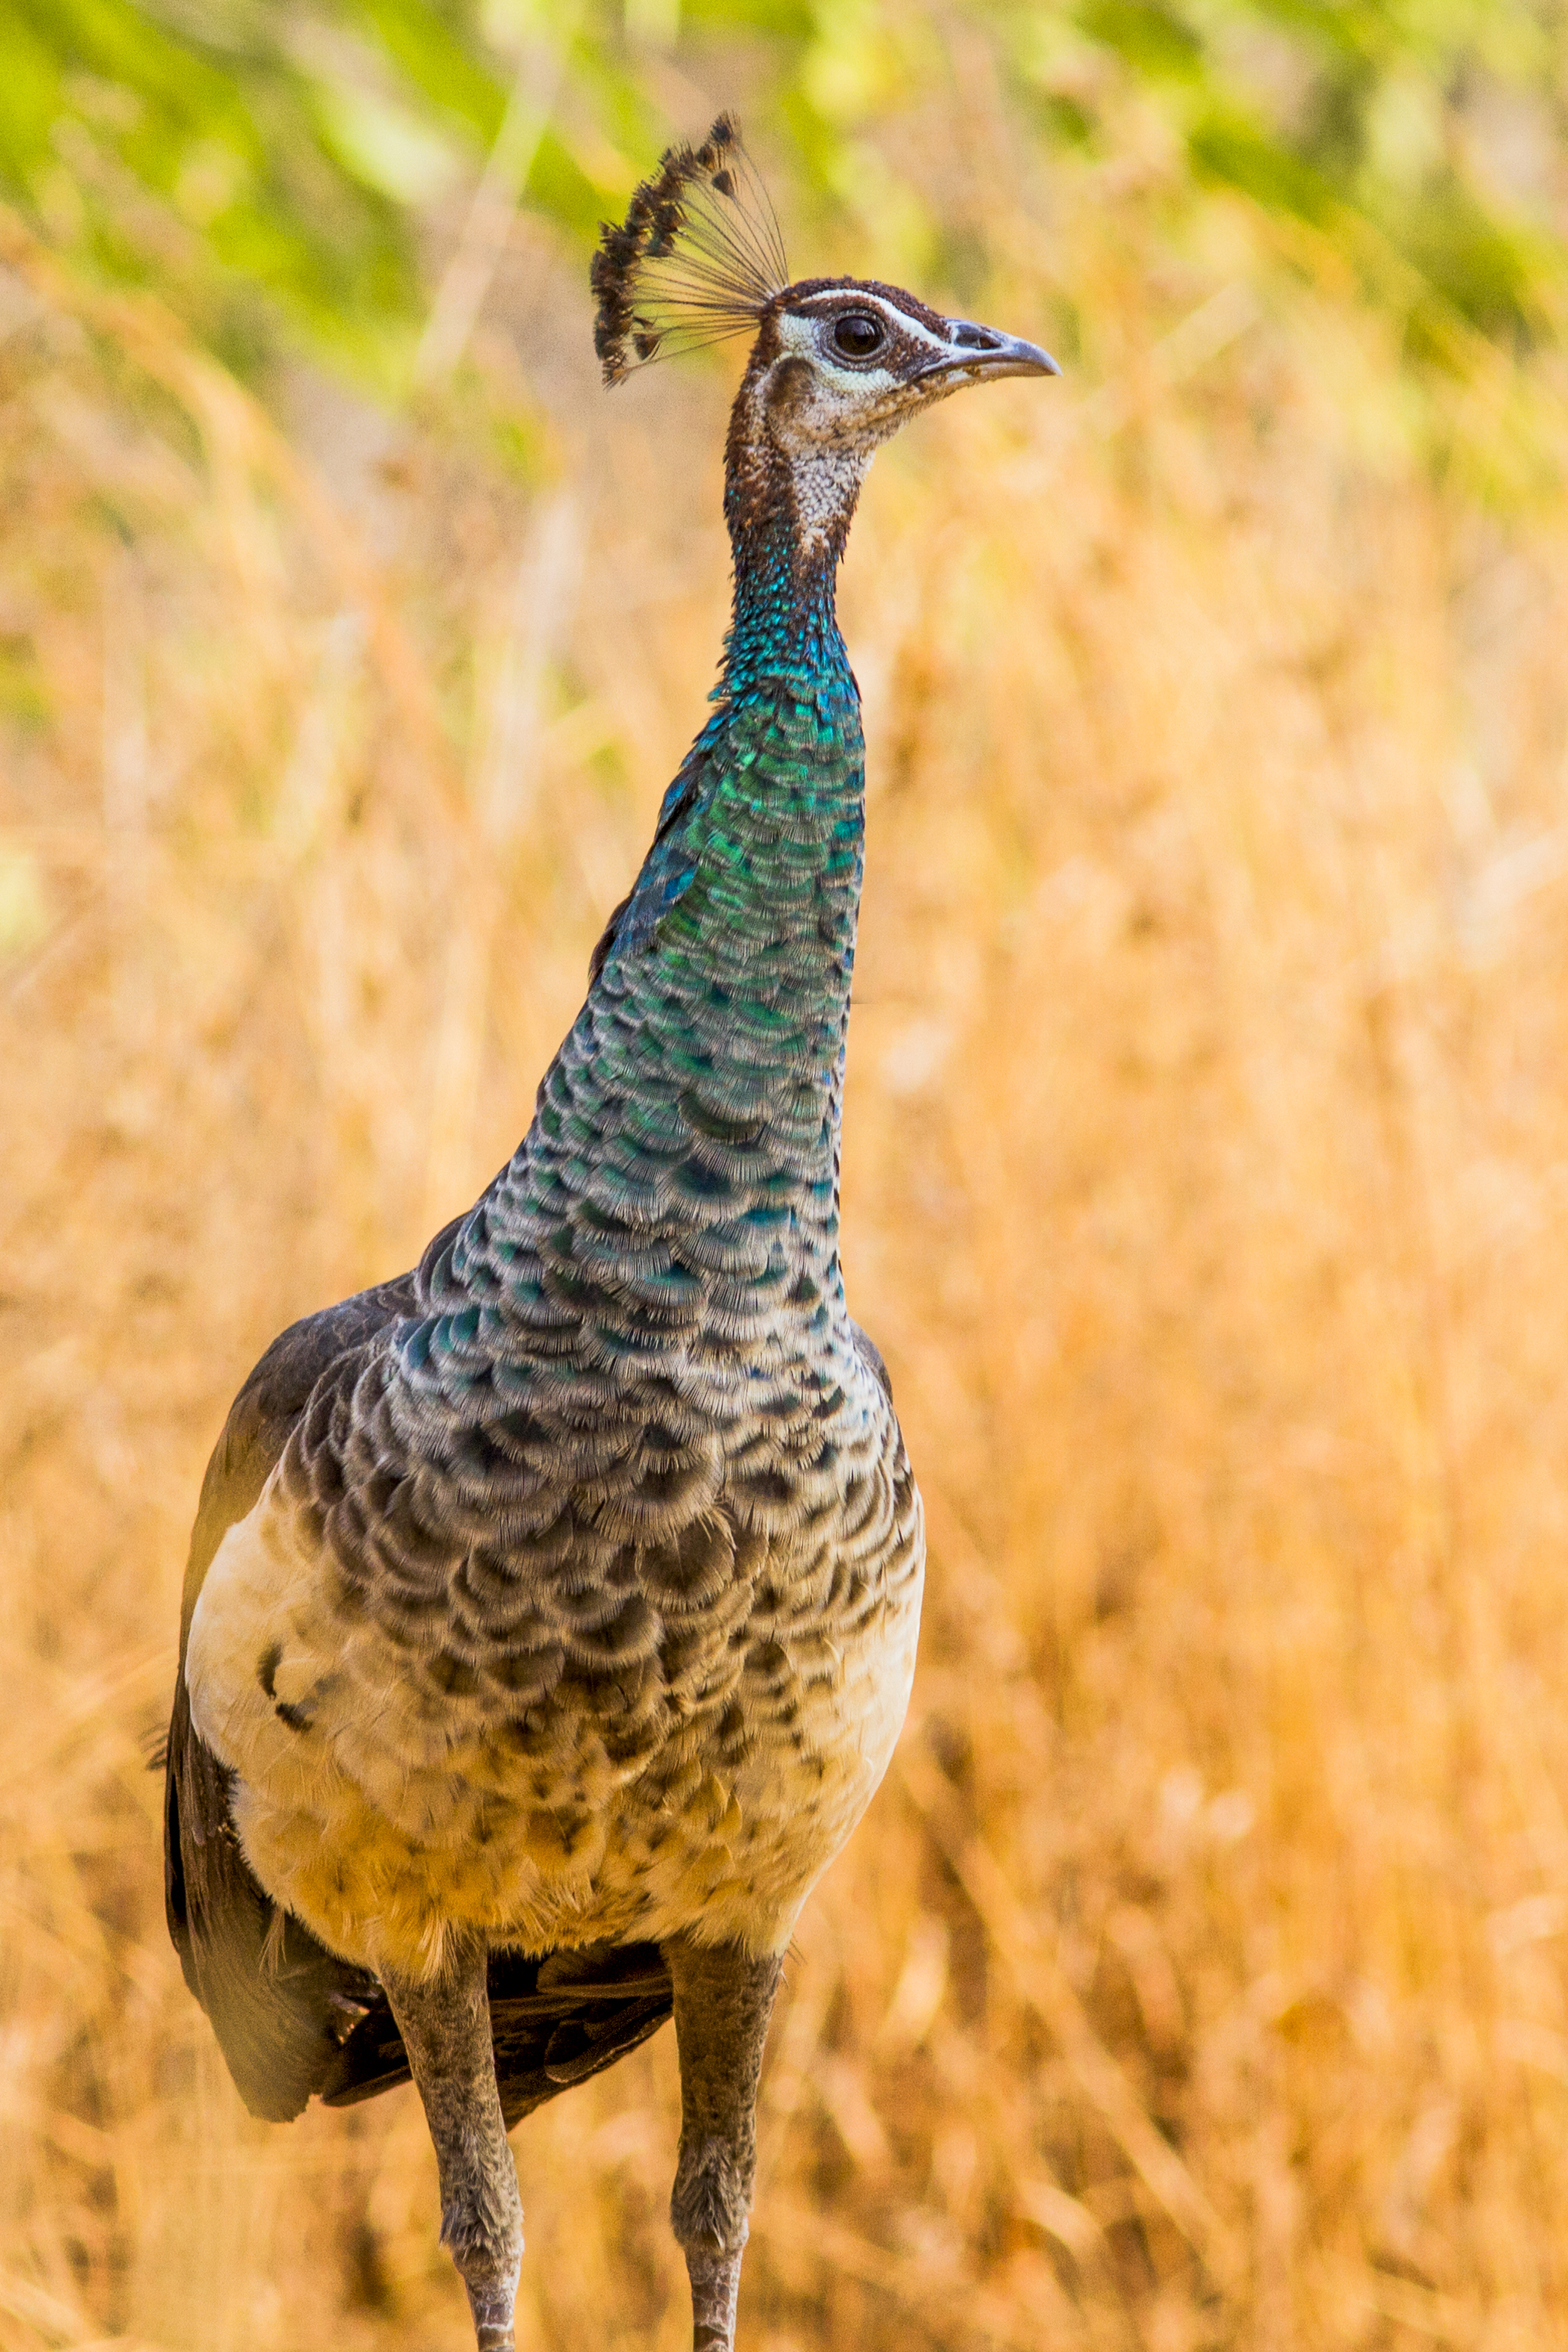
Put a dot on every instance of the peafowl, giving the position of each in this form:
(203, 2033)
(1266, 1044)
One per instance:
(551, 1610)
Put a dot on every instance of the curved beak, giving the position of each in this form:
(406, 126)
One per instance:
(978, 351)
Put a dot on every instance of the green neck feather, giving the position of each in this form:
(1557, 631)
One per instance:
(678, 1190)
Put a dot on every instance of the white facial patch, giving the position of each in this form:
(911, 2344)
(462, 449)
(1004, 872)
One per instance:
(805, 339)
(807, 335)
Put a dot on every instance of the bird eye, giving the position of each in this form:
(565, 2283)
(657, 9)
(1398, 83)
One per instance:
(856, 335)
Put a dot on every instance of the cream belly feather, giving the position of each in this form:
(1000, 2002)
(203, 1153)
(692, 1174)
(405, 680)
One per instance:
(388, 1815)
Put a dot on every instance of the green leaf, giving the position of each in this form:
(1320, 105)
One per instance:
(1155, 41)
(1228, 151)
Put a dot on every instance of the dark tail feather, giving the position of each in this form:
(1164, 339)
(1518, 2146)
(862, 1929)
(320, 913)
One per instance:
(555, 2021)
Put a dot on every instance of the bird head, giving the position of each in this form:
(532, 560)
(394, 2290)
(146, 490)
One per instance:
(837, 364)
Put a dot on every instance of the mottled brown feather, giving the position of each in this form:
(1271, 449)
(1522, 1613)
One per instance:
(292, 2020)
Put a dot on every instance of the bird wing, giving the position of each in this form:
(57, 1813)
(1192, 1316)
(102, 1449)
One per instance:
(291, 2018)
(281, 2004)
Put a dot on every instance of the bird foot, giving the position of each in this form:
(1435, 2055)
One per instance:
(715, 2287)
(492, 2309)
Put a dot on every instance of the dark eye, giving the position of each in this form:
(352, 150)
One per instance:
(856, 335)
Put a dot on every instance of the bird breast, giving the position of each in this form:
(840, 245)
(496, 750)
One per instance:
(563, 1675)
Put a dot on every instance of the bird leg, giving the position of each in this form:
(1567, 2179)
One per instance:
(724, 1999)
(446, 2028)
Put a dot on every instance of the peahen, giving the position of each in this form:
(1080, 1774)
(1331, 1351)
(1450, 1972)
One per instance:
(551, 1610)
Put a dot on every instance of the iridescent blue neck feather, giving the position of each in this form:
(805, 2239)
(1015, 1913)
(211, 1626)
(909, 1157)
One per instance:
(674, 1200)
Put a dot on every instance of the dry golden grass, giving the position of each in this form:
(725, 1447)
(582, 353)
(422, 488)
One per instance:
(1197, 1978)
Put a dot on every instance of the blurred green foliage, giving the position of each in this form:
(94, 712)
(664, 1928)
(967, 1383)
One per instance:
(269, 165)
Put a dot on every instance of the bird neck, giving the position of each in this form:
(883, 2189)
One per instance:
(745, 911)
(784, 629)
(679, 1187)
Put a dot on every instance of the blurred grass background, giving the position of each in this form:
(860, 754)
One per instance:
(1198, 1977)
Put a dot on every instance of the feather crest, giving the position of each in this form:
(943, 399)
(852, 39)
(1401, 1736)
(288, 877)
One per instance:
(698, 256)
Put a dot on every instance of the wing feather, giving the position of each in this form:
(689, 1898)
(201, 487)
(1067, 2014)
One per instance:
(279, 2001)
(291, 2018)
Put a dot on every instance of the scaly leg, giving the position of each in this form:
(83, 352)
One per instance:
(445, 2029)
(724, 1999)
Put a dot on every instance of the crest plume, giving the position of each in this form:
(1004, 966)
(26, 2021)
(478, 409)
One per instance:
(697, 258)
